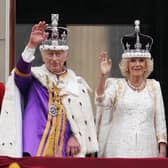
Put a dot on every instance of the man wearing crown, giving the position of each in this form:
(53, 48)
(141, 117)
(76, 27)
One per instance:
(130, 110)
(57, 118)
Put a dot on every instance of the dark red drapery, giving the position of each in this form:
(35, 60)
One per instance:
(44, 162)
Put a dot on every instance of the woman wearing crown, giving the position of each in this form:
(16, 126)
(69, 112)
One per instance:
(130, 110)
(57, 113)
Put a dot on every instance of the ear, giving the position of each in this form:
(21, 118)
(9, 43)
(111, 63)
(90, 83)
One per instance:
(146, 68)
(127, 68)
(43, 59)
(43, 56)
(66, 55)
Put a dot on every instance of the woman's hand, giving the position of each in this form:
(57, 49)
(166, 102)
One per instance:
(73, 147)
(105, 64)
(38, 34)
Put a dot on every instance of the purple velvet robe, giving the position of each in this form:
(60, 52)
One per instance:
(35, 111)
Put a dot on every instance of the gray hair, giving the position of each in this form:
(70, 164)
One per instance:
(124, 67)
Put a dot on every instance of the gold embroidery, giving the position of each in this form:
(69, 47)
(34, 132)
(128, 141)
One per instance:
(151, 88)
(118, 94)
(57, 117)
(49, 148)
(21, 73)
(39, 151)
(161, 137)
(14, 165)
(62, 133)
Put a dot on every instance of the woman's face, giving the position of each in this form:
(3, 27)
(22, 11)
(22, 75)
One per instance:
(137, 67)
(54, 60)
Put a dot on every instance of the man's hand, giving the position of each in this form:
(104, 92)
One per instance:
(162, 152)
(73, 147)
(38, 34)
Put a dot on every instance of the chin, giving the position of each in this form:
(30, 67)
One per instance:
(138, 74)
(55, 71)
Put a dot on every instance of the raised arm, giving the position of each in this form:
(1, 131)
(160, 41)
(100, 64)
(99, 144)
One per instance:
(23, 67)
(105, 65)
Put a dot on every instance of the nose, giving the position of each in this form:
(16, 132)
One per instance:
(55, 56)
(137, 62)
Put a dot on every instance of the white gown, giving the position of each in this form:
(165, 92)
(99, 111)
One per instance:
(130, 123)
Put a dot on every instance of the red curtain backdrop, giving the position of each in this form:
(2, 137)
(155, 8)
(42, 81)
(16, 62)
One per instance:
(45, 162)
(2, 91)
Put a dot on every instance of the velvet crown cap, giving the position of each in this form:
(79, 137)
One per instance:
(136, 44)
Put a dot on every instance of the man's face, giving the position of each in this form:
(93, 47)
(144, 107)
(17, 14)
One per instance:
(54, 60)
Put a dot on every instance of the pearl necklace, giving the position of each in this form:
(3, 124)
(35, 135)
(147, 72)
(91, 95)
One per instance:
(136, 88)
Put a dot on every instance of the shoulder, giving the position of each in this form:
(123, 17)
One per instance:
(154, 87)
(83, 82)
(153, 82)
(114, 82)
(79, 79)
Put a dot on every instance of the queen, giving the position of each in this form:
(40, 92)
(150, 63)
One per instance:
(130, 110)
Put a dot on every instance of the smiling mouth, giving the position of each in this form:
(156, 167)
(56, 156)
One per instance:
(137, 69)
(55, 65)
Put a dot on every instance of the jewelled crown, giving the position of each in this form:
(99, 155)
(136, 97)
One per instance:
(57, 36)
(136, 44)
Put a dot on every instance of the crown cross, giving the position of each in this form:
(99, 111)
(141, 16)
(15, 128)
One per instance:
(54, 20)
(128, 46)
(63, 38)
(138, 45)
(147, 47)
